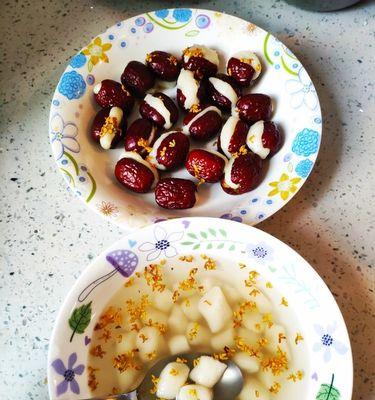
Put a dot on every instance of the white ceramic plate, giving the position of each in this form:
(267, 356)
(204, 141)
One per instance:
(89, 170)
(329, 370)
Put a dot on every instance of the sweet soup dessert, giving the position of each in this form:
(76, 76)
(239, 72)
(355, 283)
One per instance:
(191, 304)
(214, 104)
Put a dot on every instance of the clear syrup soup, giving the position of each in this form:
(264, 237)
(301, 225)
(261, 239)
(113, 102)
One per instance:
(158, 312)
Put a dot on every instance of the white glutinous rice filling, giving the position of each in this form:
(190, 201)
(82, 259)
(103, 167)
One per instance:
(160, 107)
(189, 87)
(254, 140)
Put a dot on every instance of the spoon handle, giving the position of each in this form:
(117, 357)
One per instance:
(87, 290)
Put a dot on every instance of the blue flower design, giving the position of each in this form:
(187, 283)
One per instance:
(68, 373)
(231, 217)
(182, 14)
(162, 13)
(72, 85)
(327, 342)
(78, 61)
(63, 136)
(163, 243)
(261, 252)
(306, 142)
(303, 168)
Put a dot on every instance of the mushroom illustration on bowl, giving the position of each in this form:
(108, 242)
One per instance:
(123, 261)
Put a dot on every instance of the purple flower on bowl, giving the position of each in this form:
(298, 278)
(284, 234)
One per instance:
(231, 217)
(163, 243)
(68, 373)
(328, 342)
(261, 252)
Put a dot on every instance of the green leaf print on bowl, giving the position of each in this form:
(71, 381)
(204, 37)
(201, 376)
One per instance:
(328, 392)
(211, 239)
(80, 319)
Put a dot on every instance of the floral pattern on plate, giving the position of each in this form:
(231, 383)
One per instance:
(297, 99)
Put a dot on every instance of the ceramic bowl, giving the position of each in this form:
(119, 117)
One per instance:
(328, 370)
(89, 171)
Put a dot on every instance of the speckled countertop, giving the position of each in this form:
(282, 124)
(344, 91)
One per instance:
(47, 236)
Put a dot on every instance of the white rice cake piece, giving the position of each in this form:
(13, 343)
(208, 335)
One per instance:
(155, 316)
(189, 307)
(252, 320)
(128, 342)
(253, 390)
(178, 344)
(197, 334)
(264, 304)
(172, 378)
(194, 392)
(215, 309)
(250, 337)
(272, 335)
(208, 371)
(150, 343)
(177, 321)
(268, 379)
(163, 301)
(208, 283)
(222, 339)
(232, 294)
(128, 380)
(246, 363)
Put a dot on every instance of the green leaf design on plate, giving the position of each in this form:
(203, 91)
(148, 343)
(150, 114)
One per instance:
(187, 243)
(204, 235)
(69, 175)
(212, 231)
(231, 248)
(80, 319)
(265, 50)
(93, 188)
(328, 391)
(209, 246)
(272, 269)
(287, 69)
(222, 231)
(192, 235)
(192, 33)
(74, 162)
(196, 246)
(221, 245)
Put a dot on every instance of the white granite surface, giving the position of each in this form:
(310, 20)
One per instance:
(47, 236)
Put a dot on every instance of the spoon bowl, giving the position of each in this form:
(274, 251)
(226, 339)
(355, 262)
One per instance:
(228, 387)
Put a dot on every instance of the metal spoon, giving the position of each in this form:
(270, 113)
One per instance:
(229, 386)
